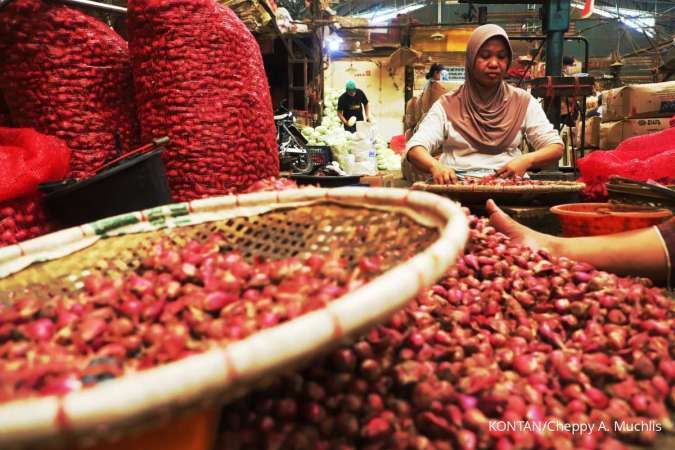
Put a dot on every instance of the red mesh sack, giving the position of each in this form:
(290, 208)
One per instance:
(27, 158)
(647, 157)
(67, 75)
(199, 79)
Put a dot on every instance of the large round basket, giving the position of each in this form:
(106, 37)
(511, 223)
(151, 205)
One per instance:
(546, 193)
(418, 235)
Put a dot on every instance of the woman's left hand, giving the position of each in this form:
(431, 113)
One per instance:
(516, 168)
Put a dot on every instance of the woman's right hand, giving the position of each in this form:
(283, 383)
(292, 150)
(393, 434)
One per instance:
(442, 174)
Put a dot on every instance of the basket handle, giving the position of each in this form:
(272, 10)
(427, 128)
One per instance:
(158, 142)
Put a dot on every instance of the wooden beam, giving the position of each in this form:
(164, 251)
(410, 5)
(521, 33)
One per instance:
(659, 46)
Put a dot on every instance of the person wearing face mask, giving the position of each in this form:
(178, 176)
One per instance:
(480, 125)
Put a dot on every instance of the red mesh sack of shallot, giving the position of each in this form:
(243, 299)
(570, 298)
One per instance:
(67, 75)
(27, 158)
(642, 158)
(199, 79)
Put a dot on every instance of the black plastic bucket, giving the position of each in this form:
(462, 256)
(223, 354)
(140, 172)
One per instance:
(136, 183)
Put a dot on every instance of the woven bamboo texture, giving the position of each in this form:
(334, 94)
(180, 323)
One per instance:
(548, 193)
(419, 235)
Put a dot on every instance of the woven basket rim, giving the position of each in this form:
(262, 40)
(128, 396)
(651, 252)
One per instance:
(569, 210)
(110, 409)
(549, 187)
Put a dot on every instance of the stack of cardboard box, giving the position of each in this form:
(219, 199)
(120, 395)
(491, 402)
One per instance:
(592, 134)
(634, 110)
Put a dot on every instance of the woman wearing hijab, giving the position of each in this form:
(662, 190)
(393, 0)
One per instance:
(480, 125)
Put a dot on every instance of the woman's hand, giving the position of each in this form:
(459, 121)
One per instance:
(421, 159)
(442, 174)
(516, 168)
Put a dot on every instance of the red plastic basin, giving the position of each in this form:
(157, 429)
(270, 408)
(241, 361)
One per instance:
(593, 219)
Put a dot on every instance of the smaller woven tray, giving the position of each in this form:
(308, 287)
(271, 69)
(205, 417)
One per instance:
(548, 193)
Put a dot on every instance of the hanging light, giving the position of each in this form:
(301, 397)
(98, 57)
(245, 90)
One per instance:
(332, 42)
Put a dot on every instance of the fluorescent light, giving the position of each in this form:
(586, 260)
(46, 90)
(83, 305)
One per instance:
(384, 15)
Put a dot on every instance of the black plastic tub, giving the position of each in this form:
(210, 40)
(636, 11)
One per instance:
(327, 181)
(136, 183)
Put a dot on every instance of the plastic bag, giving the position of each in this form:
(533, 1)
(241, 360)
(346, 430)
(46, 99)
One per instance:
(28, 158)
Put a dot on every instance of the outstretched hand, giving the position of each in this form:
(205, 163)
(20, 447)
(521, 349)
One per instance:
(518, 233)
(443, 175)
(515, 168)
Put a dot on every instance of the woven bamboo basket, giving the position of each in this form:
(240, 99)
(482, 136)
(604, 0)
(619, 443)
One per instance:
(174, 406)
(548, 193)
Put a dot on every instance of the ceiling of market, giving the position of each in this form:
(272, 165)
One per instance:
(350, 7)
(664, 10)
(646, 19)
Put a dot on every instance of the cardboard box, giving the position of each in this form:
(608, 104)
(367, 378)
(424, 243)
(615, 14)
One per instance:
(614, 133)
(592, 138)
(638, 101)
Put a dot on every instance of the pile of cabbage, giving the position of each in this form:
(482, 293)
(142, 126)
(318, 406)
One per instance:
(332, 133)
(387, 159)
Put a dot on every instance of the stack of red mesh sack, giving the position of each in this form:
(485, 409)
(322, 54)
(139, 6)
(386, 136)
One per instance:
(199, 79)
(641, 158)
(27, 158)
(67, 75)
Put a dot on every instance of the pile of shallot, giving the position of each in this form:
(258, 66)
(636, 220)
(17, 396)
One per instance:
(513, 349)
(182, 300)
(493, 180)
